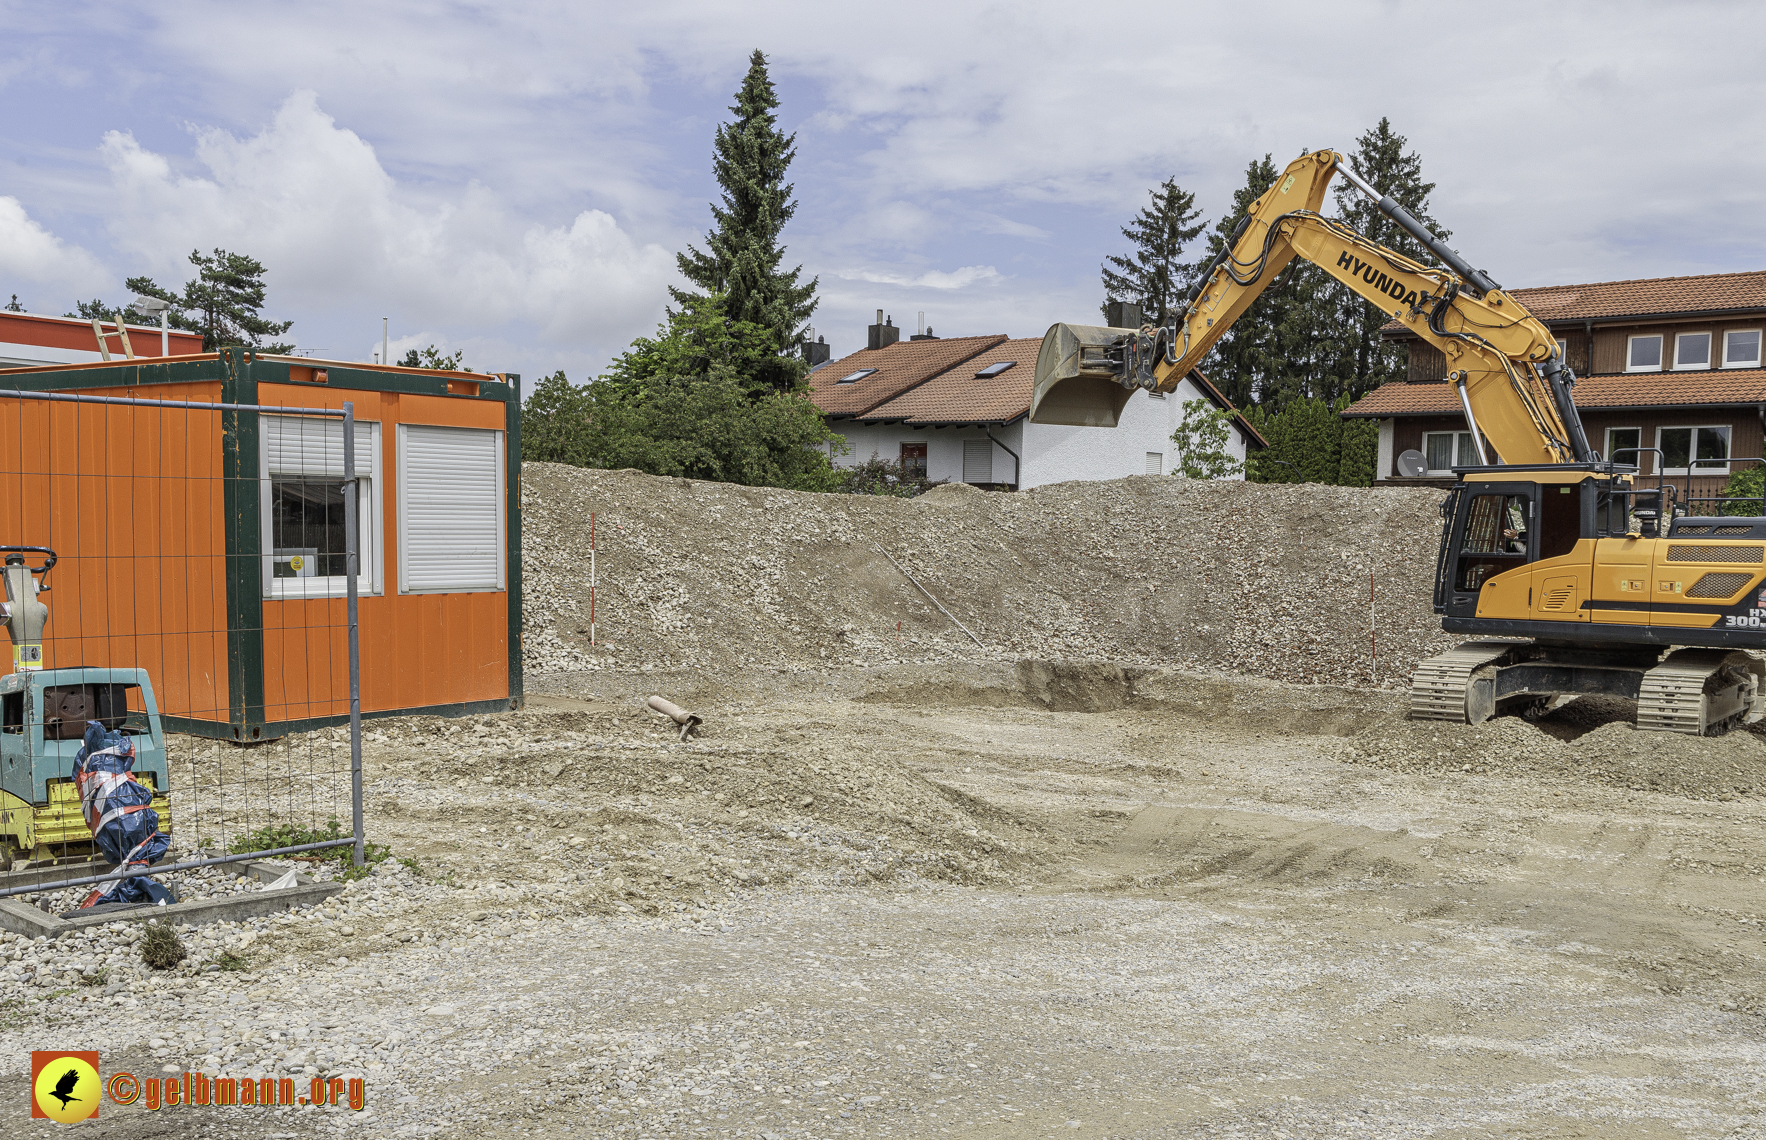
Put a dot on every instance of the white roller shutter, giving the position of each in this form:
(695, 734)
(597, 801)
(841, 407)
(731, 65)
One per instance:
(450, 509)
(311, 445)
(978, 461)
(1155, 463)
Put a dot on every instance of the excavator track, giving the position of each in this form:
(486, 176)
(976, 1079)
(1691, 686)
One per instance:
(1701, 692)
(1438, 687)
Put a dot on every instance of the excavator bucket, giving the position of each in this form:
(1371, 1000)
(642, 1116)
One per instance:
(1075, 379)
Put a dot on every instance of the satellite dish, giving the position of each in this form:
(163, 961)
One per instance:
(1411, 464)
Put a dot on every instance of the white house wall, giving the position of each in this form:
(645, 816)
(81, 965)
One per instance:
(944, 447)
(1051, 453)
(1056, 454)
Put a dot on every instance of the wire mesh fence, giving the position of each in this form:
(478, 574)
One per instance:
(181, 599)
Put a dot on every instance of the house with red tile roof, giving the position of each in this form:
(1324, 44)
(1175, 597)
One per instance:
(1668, 363)
(29, 340)
(957, 410)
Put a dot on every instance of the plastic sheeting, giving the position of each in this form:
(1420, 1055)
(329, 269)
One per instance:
(119, 810)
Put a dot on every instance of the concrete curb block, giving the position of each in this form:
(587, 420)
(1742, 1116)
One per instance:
(23, 918)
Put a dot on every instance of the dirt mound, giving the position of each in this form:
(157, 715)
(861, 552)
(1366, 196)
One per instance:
(652, 821)
(1586, 741)
(1268, 580)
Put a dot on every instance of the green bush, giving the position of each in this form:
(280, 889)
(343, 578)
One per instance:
(1746, 486)
(879, 476)
(290, 835)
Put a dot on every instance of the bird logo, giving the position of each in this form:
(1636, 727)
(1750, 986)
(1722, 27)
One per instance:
(65, 1086)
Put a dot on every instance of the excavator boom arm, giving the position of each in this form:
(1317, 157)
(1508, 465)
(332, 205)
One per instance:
(1503, 362)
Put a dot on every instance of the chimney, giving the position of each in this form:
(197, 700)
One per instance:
(1122, 315)
(925, 332)
(883, 333)
(816, 352)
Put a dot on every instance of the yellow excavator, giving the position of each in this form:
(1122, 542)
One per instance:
(1593, 579)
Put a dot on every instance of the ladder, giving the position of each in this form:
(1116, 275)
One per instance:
(121, 333)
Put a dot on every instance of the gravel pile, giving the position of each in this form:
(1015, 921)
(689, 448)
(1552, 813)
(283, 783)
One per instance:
(1588, 741)
(1269, 580)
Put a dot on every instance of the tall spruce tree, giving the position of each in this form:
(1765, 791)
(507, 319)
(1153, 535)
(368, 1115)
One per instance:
(1380, 158)
(1155, 276)
(742, 251)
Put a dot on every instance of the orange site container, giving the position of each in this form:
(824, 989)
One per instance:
(173, 556)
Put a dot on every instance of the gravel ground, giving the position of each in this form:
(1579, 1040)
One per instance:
(992, 899)
(1266, 580)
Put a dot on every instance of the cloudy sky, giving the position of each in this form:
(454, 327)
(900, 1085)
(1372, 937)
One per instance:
(513, 179)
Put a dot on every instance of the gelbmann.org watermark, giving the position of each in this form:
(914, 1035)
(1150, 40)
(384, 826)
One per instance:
(66, 1086)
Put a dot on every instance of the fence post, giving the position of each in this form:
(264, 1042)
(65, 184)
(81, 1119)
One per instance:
(352, 557)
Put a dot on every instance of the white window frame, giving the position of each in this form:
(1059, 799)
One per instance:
(1759, 351)
(368, 516)
(1693, 449)
(1661, 344)
(1710, 344)
(1637, 457)
(1456, 434)
(502, 496)
(1563, 348)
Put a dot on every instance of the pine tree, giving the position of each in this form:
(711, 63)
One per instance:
(1380, 159)
(742, 252)
(1154, 276)
(222, 303)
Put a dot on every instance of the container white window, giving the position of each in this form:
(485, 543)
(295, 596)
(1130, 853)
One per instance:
(1620, 439)
(301, 506)
(1694, 450)
(1643, 354)
(1445, 450)
(1741, 348)
(451, 510)
(1692, 350)
(1155, 463)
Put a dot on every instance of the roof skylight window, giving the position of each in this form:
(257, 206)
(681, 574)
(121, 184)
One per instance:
(855, 377)
(993, 370)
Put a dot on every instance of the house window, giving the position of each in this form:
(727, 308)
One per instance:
(978, 461)
(1741, 348)
(855, 377)
(1694, 450)
(301, 505)
(1445, 450)
(1644, 354)
(1155, 463)
(1621, 439)
(1692, 350)
(913, 461)
(450, 510)
(1563, 349)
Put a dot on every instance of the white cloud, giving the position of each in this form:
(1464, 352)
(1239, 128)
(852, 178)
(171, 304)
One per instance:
(934, 279)
(340, 236)
(31, 255)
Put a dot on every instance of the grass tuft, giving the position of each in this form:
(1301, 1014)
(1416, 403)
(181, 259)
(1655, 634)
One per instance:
(231, 962)
(161, 948)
